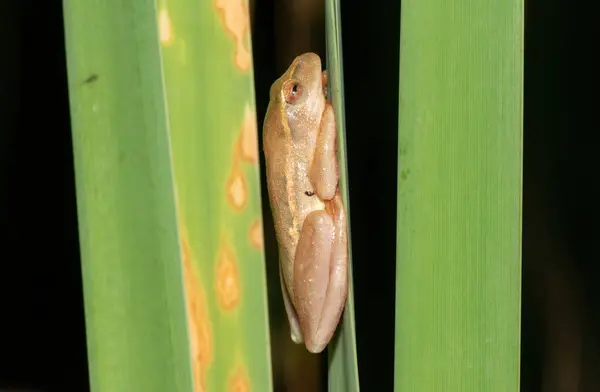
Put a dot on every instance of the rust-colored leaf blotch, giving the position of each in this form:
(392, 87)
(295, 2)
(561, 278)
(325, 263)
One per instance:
(248, 140)
(256, 234)
(165, 28)
(238, 381)
(236, 20)
(198, 320)
(227, 279)
(236, 188)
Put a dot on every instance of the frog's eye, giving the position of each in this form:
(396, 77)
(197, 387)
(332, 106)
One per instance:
(292, 91)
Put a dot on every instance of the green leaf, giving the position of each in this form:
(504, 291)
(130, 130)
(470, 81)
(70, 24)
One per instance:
(209, 86)
(166, 149)
(134, 299)
(459, 196)
(343, 367)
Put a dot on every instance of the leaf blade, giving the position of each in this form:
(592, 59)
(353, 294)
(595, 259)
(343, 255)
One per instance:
(134, 303)
(209, 86)
(343, 364)
(459, 196)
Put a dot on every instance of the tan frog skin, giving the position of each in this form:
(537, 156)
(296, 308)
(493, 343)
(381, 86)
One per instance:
(299, 142)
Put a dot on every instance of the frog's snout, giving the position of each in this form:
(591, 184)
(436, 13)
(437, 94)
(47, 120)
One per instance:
(310, 59)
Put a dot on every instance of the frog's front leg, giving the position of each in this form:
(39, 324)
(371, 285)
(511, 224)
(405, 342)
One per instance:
(324, 170)
(320, 284)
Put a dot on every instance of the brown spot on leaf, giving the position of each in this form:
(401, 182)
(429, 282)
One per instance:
(248, 139)
(238, 380)
(236, 20)
(256, 234)
(91, 79)
(198, 319)
(227, 279)
(236, 188)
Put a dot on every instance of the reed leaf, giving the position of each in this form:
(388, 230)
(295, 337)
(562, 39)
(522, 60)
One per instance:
(459, 196)
(343, 365)
(209, 86)
(165, 140)
(134, 299)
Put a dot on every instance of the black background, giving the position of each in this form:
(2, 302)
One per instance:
(42, 332)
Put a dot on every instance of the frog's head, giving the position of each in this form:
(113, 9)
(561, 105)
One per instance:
(299, 94)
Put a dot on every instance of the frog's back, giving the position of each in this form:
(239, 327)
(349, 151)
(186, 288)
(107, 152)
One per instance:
(291, 195)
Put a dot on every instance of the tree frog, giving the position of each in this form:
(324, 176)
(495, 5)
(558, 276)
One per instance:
(299, 143)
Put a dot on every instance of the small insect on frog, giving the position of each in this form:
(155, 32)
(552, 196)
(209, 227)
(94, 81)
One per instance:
(299, 142)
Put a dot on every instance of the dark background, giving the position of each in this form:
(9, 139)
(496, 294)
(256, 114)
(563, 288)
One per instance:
(42, 332)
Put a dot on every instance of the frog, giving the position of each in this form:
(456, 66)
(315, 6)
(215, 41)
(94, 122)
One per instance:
(309, 217)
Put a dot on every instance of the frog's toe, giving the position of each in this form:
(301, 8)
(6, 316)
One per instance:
(296, 337)
(316, 347)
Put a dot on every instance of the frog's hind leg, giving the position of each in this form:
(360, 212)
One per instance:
(295, 331)
(319, 279)
(337, 290)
